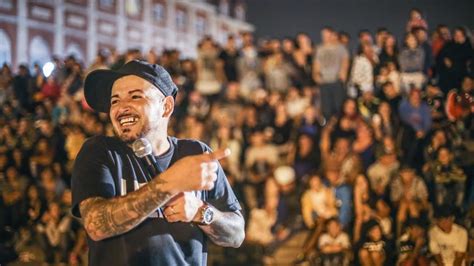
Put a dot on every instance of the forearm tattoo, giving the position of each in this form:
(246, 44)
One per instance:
(104, 218)
(227, 230)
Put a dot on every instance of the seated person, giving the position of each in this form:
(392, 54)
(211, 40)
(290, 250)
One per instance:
(448, 241)
(449, 179)
(334, 245)
(372, 249)
(381, 172)
(412, 245)
(382, 215)
(318, 202)
(362, 205)
(260, 159)
(409, 195)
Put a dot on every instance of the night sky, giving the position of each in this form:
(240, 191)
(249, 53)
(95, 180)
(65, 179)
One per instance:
(280, 18)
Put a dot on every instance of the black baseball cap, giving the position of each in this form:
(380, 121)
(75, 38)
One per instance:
(98, 84)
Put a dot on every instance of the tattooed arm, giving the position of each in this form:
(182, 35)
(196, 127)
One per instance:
(104, 218)
(227, 229)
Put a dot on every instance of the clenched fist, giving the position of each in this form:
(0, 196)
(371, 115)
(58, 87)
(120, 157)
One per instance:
(183, 207)
(197, 172)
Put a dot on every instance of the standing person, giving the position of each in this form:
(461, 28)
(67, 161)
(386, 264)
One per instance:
(454, 61)
(209, 69)
(422, 37)
(248, 67)
(416, 119)
(439, 38)
(362, 74)
(229, 56)
(22, 86)
(412, 61)
(133, 217)
(330, 69)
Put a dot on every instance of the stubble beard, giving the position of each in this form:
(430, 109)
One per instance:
(145, 132)
(126, 137)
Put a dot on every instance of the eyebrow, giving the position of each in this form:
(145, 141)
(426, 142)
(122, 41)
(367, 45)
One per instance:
(130, 92)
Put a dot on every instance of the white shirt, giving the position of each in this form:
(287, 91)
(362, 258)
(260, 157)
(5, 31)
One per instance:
(447, 244)
(342, 239)
(363, 73)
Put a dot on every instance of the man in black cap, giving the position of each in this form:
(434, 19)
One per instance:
(132, 216)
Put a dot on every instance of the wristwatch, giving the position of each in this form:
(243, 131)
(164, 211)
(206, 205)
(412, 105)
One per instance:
(207, 214)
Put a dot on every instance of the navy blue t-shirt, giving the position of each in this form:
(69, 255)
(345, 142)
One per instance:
(106, 167)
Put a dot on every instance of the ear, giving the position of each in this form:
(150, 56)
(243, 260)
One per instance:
(168, 106)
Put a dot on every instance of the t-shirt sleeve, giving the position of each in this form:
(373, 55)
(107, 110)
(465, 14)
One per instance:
(344, 241)
(91, 175)
(461, 243)
(222, 196)
(433, 244)
(344, 52)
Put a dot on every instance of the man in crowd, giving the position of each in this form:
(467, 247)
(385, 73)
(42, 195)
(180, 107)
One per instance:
(132, 216)
(330, 69)
(448, 241)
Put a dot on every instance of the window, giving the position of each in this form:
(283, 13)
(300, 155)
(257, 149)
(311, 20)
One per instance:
(75, 50)
(106, 4)
(5, 48)
(181, 19)
(39, 51)
(158, 13)
(133, 7)
(201, 25)
(224, 7)
(6, 4)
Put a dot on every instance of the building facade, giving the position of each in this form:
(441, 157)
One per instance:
(34, 30)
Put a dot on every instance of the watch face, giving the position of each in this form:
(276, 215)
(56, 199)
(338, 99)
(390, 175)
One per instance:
(207, 216)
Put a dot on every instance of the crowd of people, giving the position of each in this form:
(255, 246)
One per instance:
(369, 150)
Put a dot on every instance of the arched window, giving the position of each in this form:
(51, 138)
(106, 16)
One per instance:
(39, 51)
(75, 50)
(5, 48)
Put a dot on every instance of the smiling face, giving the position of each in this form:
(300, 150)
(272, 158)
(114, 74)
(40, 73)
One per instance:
(137, 108)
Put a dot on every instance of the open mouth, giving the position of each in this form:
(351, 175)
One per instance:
(127, 120)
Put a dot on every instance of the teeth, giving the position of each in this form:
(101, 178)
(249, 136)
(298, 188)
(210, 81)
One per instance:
(128, 120)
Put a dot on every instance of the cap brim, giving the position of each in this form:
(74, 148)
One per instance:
(98, 87)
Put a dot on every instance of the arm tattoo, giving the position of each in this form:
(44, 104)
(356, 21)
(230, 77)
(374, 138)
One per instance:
(227, 229)
(104, 218)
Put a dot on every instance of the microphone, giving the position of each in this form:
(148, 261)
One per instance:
(143, 149)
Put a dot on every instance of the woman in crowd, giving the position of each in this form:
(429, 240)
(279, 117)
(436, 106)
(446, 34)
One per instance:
(411, 60)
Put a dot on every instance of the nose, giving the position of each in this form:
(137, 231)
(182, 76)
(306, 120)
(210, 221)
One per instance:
(122, 107)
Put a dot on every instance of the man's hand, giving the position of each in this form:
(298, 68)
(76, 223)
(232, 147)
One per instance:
(184, 207)
(198, 172)
(104, 218)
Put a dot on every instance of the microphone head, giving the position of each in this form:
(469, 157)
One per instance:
(141, 147)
